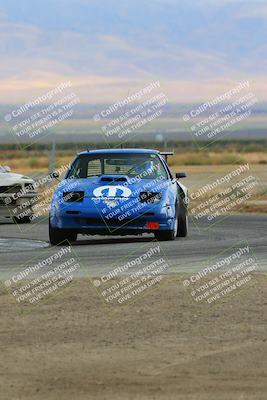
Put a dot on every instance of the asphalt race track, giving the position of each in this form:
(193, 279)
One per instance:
(97, 254)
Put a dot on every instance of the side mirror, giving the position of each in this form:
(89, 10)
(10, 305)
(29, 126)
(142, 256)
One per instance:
(180, 175)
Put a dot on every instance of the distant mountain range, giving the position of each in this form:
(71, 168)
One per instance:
(110, 47)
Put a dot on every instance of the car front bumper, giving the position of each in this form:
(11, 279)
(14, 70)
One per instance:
(85, 218)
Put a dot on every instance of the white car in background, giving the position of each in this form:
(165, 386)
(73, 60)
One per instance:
(17, 195)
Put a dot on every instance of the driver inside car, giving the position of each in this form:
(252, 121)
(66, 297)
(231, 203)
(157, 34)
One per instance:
(149, 169)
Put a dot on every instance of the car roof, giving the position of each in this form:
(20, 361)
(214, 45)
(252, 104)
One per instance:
(121, 151)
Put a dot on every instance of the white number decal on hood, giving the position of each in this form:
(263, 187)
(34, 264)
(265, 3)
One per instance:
(112, 191)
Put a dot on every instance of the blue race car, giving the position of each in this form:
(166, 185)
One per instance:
(119, 192)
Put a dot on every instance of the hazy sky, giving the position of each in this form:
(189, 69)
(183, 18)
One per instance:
(109, 48)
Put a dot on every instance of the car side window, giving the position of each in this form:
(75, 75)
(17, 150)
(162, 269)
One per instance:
(167, 168)
(74, 171)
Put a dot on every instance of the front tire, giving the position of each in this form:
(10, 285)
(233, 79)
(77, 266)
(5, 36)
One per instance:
(163, 236)
(23, 220)
(61, 236)
(182, 226)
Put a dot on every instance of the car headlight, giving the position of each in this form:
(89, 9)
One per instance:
(73, 196)
(150, 197)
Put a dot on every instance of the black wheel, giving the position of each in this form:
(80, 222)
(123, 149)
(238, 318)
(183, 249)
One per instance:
(61, 236)
(167, 235)
(23, 220)
(182, 226)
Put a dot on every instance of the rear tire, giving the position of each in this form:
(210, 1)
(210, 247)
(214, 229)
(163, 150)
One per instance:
(61, 236)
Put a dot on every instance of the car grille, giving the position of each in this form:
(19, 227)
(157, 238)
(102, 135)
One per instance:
(3, 203)
(10, 189)
(29, 186)
(113, 221)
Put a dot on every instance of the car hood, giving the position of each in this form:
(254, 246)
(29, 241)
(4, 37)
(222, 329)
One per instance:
(106, 186)
(10, 178)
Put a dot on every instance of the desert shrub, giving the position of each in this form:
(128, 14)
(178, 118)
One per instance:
(38, 163)
(198, 159)
(232, 158)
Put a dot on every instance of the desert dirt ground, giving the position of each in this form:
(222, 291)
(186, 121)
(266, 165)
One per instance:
(162, 346)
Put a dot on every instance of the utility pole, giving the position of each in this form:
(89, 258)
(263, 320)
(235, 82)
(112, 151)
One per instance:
(52, 158)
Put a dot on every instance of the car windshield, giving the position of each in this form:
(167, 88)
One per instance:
(145, 166)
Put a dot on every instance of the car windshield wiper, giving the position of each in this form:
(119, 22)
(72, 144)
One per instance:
(89, 176)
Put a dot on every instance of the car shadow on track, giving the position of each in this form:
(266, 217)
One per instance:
(111, 240)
